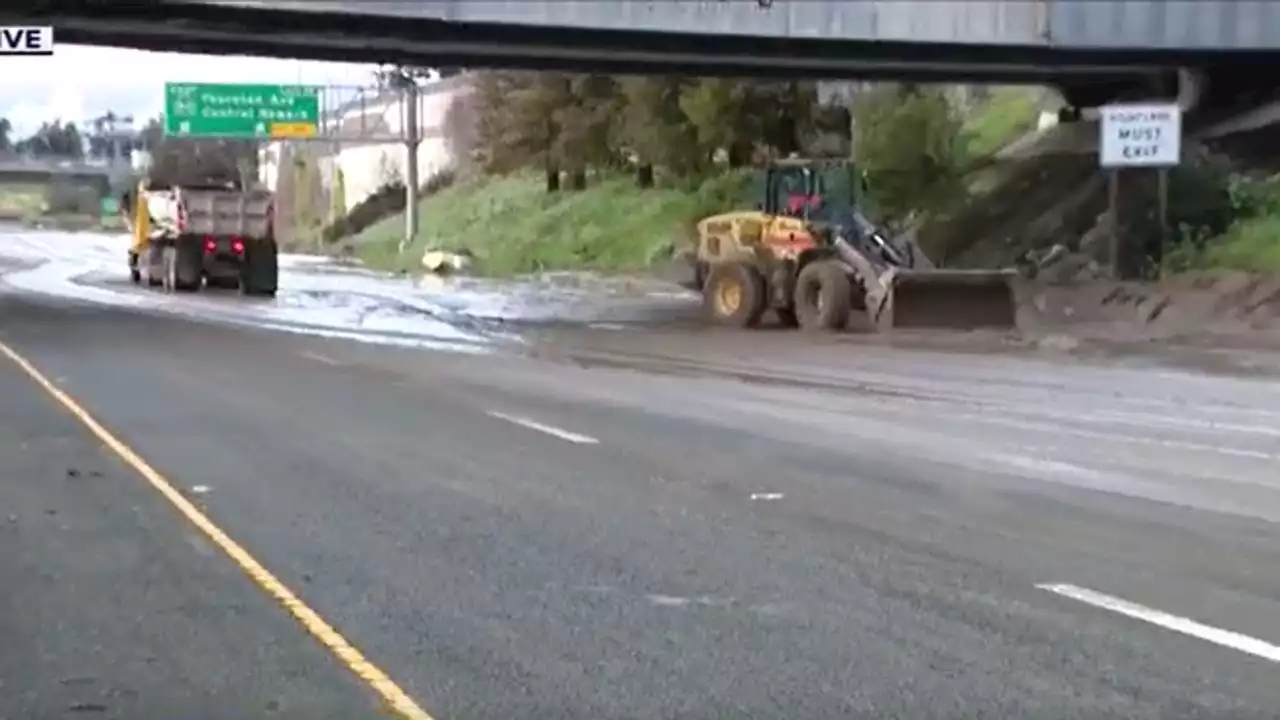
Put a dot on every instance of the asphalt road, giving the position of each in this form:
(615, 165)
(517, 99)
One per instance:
(653, 529)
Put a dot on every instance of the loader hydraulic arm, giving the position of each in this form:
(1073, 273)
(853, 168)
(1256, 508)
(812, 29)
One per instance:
(868, 238)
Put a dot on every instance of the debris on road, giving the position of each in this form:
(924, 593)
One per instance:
(446, 262)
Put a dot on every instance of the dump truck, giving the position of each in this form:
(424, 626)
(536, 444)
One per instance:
(210, 232)
(809, 253)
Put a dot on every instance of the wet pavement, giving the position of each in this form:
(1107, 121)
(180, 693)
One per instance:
(573, 315)
(673, 522)
(328, 298)
(785, 528)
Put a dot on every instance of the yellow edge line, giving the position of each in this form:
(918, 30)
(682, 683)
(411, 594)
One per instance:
(395, 697)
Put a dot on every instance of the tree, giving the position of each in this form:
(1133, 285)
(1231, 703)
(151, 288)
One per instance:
(907, 140)
(179, 161)
(521, 116)
(498, 132)
(783, 114)
(654, 128)
(110, 135)
(53, 139)
(6, 135)
(573, 122)
(461, 136)
(718, 110)
(583, 124)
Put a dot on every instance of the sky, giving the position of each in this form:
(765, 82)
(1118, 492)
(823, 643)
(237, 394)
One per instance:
(80, 82)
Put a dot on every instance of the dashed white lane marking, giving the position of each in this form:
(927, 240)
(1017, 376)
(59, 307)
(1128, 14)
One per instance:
(572, 437)
(319, 358)
(1186, 626)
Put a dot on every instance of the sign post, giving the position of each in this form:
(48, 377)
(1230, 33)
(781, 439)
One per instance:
(1139, 136)
(210, 110)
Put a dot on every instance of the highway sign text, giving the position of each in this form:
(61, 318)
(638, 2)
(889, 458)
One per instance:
(241, 111)
(1140, 135)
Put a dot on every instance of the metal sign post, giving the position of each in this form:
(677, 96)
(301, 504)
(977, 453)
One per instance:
(307, 113)
(412, 130)
(1138, 136)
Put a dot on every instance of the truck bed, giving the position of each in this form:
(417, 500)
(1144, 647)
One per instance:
(213, 212)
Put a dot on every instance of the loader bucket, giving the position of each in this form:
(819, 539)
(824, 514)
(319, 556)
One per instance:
(955, 299)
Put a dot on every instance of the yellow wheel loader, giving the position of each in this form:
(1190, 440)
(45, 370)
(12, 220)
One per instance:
(809, 254)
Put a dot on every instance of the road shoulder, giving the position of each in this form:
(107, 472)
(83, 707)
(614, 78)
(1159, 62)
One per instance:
(114, 605)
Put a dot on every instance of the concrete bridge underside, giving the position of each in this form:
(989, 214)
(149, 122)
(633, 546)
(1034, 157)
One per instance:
(346, 36)
(473, 34)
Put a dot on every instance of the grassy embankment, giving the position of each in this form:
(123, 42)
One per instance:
(513, 226)
(1250, 244)
(28, 205)
(19, 202)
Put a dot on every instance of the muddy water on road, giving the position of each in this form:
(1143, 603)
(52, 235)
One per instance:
(640, 322)
(321, 297)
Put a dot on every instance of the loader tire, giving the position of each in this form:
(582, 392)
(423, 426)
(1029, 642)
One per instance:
(787, 317)
(823, 296)
(734, 295)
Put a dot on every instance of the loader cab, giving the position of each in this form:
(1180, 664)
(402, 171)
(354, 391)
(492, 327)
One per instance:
(812, 191)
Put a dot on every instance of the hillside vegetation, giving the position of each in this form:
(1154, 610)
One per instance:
(571, 172)
(512, 225)
(1250, 242)
(610, 173)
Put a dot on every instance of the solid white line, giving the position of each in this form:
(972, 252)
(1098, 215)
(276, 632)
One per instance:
(319, 358)
(1186, 626)
(548, 429)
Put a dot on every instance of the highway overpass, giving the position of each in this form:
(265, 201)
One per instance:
(33, 170)
(1093, 49)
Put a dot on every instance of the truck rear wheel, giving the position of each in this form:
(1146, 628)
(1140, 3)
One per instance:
(153, 262)
(734, 294)
(823, 296)
(260, 272)
(183, 266)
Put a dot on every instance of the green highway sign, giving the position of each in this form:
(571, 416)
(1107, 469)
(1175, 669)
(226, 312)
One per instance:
(212, 110)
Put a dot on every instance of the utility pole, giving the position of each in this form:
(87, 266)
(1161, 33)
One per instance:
(115, 130)
(412, 138)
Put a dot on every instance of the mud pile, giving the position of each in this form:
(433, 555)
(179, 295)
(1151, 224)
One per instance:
(1203, 305)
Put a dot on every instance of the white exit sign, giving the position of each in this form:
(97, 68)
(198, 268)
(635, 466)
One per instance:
(26, 40)
(1148, 135)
